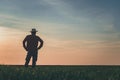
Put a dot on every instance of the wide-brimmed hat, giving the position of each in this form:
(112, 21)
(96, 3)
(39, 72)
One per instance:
(33, 30)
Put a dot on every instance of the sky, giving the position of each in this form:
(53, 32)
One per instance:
(75, 32)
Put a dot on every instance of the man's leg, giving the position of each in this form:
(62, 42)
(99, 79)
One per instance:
(34, 60)
(27, 60)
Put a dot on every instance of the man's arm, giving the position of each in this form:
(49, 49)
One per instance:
(24, 43)
(41, 43)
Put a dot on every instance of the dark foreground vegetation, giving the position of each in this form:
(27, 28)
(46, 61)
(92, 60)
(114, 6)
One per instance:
(60, 73)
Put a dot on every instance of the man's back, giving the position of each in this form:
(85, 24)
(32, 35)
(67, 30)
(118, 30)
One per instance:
(32, 42)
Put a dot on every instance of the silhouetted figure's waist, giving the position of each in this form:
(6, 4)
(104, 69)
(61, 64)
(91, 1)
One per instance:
(32, 49)
(32, 52)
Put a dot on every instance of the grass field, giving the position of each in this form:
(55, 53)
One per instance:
(46, 72)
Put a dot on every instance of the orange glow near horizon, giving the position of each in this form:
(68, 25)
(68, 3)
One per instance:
(12, 52)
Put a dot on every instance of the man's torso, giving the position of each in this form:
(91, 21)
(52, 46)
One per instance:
(32, 42)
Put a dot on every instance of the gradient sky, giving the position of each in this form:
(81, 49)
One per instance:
(75, 32)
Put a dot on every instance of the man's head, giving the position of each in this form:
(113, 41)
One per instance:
(33, 31)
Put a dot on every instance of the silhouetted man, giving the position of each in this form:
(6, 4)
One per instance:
(31, 45)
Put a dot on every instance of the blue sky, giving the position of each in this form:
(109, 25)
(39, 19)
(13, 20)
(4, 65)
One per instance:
(68, 17)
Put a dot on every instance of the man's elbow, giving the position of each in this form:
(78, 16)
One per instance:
(42, 42)
(23, 41)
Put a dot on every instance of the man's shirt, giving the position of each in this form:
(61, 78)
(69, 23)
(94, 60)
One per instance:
(31, 42)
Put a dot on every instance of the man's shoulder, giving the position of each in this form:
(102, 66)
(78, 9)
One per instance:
(38, 37)
(28, 36)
